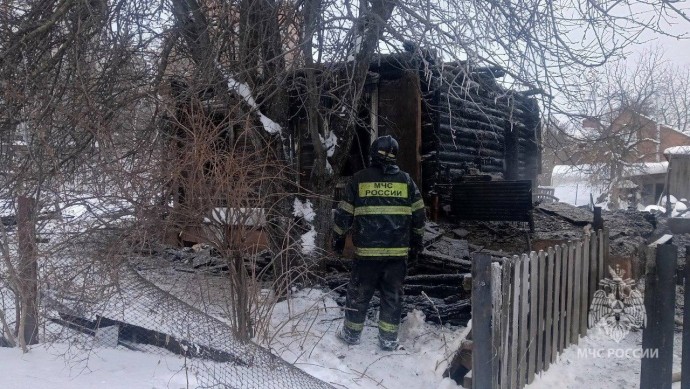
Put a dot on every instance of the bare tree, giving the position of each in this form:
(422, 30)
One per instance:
(545, 48)
(612, 129)
(73, 90)
(674, 102)
(86, 108)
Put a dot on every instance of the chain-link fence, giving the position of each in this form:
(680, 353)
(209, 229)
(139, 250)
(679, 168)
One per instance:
(167, 301)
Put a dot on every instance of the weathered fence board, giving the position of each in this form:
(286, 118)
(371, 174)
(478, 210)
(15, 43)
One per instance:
(496, 318)
(563, 304)
(523, 339)
(603, 244)
(594, 264)
(569, 298)
(534, 276)
(482, 353)
(584, 302)
(577, 265)
(541, 312)
(506, 312)
(549, 322)
(558, 260)
(513, 362)
(540, 303)
(685, 357)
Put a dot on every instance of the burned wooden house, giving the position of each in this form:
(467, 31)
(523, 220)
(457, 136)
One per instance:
(463, 136)
(456, 124)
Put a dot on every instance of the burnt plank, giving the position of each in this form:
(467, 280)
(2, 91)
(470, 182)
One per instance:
(574, 215)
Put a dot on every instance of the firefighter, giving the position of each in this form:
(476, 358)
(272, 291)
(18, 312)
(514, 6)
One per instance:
(385, 212)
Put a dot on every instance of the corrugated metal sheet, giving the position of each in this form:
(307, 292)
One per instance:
(492, 200)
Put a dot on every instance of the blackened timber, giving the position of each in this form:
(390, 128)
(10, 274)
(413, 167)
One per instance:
(437, 311)
(458, 105)
(426, 254)
(459, 162)
(136, 334)
(511, 154)
(471, 140)
(436, 278)
(472, 108)
(447, 134)
(478, 114)
(464, 127)
(440, 291)
(457, 173)
(457, 120)
(453, 280)
(453, 152)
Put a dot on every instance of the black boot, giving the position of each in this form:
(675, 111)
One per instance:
(348, 336)
(388, 344)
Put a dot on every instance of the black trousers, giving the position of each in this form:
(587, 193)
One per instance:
(368, 275)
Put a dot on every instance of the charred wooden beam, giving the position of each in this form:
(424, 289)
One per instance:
(135, 334)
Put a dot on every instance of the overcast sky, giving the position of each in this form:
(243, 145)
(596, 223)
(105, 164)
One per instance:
(675, 50)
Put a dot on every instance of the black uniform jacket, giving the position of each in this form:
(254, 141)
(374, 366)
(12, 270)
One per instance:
(385, 212)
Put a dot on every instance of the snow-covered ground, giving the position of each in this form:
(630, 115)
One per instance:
(598, 362)
(46, 367)
(303, 333)
(308, 341)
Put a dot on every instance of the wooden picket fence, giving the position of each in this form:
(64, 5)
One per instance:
(532, 307)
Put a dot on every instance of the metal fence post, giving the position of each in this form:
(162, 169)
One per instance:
(660, 301)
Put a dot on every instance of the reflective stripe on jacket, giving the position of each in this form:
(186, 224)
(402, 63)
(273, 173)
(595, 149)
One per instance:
(385, 213)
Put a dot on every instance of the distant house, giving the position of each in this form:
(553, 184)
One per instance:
(649, 137)
(679, 171)
(641, 142)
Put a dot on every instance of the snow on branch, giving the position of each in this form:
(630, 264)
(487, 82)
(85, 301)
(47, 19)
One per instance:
(329, 143)
(304, 210)
(243, 90)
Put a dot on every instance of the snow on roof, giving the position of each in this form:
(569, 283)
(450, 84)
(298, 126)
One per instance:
(684, 150)
(645, 169)
(562, 174)
(575, 173)
(669, 127)
(573, 184)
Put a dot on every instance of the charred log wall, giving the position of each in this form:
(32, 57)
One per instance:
(470, 121)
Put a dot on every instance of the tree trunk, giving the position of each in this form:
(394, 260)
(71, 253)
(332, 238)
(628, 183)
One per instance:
(28, 272)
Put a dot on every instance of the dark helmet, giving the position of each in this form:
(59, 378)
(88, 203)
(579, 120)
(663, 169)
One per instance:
(384, 150)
